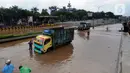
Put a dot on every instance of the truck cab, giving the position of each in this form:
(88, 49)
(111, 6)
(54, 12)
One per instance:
(42, 43)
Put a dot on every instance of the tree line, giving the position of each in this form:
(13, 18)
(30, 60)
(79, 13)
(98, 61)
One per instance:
(11, 15)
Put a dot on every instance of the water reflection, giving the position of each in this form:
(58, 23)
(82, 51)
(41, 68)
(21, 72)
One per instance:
(13, 43)
(31, 53)
(125, 34)
(59, 55)
(84, 34)
(88, 37)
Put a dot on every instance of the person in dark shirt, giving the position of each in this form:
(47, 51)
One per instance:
(30, 47)
(30, 44)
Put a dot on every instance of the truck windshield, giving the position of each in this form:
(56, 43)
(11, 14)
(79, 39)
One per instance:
(46, 41)
(82, 23)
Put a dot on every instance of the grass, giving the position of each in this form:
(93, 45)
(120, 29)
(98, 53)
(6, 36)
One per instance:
(12, 36)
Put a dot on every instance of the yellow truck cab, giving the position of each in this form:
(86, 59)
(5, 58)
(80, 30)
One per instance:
(42, 43)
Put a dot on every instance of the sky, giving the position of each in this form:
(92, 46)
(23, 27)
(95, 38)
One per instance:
(116, 6)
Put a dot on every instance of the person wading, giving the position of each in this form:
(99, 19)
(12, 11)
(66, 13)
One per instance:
(30, 46)
(88, 31)
(8, 68)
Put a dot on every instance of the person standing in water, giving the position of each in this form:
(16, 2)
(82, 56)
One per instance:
(30, 46)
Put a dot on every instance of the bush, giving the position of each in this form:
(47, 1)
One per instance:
(5, 36)
(12, 36)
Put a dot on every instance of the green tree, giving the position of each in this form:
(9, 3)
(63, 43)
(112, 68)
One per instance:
(110, 14)
(34, 10)
(44, 12)
(35, 13)
(53, 9)
(11, 15)
(79, 14)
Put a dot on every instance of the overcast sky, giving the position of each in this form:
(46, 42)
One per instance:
(89, 5)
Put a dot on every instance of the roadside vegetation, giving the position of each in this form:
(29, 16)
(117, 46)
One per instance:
(10, 16)
(13, 36)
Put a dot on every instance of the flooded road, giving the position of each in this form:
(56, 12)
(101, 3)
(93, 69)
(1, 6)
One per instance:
(125, 60)
(96, 54)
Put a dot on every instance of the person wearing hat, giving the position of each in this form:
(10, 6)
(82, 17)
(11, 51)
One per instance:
(8, 68)
(24, 69)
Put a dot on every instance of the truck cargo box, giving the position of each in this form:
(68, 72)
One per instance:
(60, 35)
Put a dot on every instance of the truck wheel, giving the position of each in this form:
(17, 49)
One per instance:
(44, 51)
(68, 42)
(49, 49)
(53, 48)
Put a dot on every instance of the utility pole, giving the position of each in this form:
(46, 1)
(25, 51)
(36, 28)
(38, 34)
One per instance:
(98, 7)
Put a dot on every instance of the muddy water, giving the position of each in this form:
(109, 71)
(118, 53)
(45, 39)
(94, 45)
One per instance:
(13, 43)
(18, 52)
(125, 53)
(97, 54)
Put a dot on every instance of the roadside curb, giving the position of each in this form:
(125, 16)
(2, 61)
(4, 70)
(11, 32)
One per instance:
(119, 59)
(16, 38)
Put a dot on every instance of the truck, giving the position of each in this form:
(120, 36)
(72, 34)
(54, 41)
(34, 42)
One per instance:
(52, 38)
(84, 26)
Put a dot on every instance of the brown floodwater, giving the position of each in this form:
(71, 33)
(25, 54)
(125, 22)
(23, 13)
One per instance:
(96, 55)
(13, 43)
